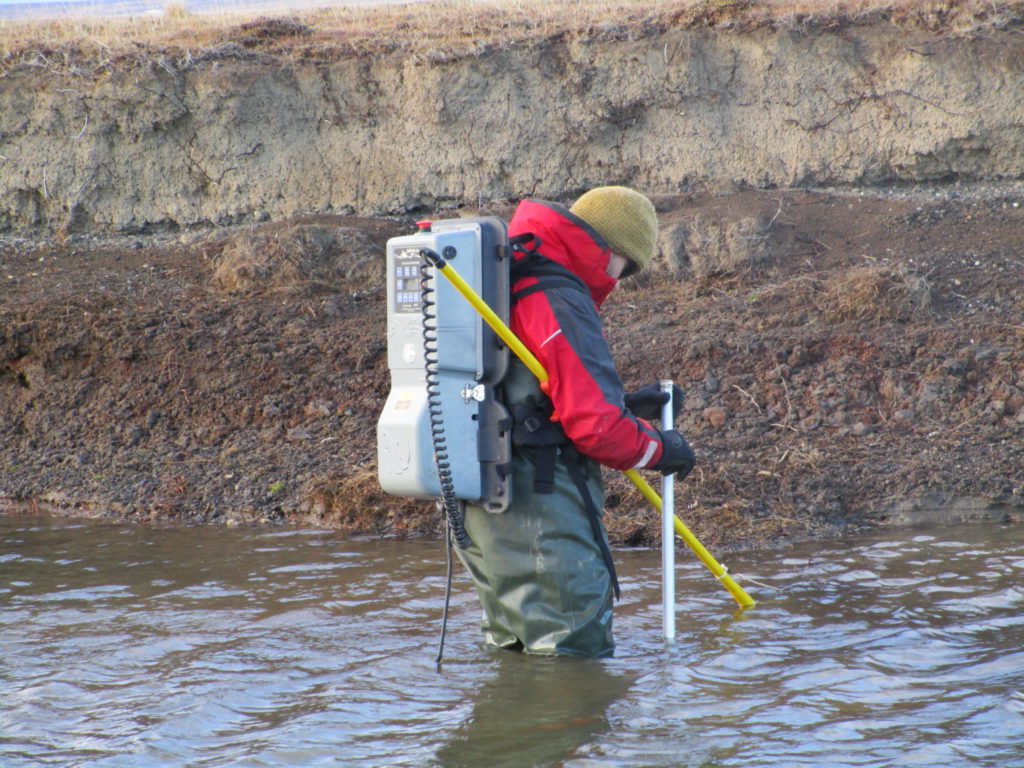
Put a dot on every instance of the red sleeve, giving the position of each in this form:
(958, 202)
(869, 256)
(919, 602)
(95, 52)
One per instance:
(562, 328)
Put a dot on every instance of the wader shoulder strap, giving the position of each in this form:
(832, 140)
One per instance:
(533, 428)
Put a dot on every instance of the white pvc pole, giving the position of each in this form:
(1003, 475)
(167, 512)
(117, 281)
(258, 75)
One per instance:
(668, 538)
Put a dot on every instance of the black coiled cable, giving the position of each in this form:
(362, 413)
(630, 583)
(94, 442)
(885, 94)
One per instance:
(454, 512)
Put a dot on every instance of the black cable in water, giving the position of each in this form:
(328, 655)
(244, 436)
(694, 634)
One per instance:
(454, 510)
(447, 599)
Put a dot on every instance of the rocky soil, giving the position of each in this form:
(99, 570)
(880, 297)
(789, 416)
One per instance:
(849, 359)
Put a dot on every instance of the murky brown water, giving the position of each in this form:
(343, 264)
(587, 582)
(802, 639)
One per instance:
(129, 646)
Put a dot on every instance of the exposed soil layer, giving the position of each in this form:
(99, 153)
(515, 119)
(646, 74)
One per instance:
(273, 119)
(848, 359)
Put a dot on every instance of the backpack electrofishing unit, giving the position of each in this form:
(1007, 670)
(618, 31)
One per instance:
(443, 433)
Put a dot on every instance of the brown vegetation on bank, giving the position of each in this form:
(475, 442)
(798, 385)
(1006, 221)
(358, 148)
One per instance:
(860, 361)
(440, 31)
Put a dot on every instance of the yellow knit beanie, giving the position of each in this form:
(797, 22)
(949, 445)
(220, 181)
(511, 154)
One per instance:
(623, 217)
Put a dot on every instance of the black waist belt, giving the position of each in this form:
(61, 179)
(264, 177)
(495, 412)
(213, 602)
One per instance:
(533, 428)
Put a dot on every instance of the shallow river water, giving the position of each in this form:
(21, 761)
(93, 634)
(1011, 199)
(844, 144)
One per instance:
(136, 646)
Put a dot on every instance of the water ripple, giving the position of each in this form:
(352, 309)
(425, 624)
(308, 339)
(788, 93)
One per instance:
(127, 647)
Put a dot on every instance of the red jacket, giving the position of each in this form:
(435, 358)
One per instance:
(562, 327)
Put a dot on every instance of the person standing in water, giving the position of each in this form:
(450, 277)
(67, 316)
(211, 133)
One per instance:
(543, 569)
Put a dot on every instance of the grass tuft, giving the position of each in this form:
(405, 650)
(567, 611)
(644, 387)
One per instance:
(298, 258)
(875, 292)
(176, 10)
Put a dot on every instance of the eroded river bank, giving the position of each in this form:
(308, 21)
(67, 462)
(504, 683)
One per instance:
(849, 358)
(192, 229)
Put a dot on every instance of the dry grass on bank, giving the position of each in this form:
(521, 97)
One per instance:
(299, 258)
(441, 29)
(875, 294)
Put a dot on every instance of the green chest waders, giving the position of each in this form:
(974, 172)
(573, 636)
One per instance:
(542, 568)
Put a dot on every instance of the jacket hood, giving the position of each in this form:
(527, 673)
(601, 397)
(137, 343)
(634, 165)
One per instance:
(567, 239)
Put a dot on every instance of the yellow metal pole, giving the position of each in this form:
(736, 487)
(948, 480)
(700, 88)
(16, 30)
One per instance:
(740, 594)
(538, 370)
(492, 319)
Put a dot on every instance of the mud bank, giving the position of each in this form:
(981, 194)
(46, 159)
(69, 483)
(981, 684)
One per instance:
(264, 125)
(848, 360)
(191, 284)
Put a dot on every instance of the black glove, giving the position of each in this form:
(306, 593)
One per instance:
(676, 455)
(646, 403)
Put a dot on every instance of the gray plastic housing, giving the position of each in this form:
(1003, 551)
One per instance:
(471, 361)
